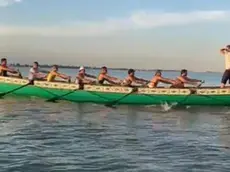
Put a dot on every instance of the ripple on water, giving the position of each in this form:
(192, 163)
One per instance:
(80, 137)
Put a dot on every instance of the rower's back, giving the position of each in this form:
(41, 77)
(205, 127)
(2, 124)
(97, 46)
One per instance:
(130, 78)
(128, 81)
(101, 77)
(52, 74)
(156, 78)
(3, 72)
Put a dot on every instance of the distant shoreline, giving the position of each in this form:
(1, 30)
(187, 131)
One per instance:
(90, 67)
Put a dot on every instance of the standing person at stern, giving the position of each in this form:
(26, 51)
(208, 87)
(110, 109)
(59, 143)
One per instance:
(226, 76)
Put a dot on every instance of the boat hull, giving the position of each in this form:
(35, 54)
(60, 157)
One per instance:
(107, 94)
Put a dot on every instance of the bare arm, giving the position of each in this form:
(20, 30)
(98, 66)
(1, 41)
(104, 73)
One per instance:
(223, 51)
(88, 81)
(44, 71)
(90, 76)
(40, 75)
(166, 80)
(186, 81)
(110, 78)
(140, 80)
(10, 70)
(137, 81)
(63, 76)
(193, 80)
(112, 82)
(85, 80)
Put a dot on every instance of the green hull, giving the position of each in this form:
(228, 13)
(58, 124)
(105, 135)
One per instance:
(207, 96)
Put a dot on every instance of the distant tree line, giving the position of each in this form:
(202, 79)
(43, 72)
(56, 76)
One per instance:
(87, 67)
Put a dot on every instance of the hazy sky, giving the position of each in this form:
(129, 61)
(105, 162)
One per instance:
(167, 34)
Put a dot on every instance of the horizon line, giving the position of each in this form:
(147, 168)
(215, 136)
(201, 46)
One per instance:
(111, 68)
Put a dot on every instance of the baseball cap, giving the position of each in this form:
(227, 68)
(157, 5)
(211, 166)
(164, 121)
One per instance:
(81, 68)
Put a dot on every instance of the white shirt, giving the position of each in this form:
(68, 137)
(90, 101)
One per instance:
(227, 59)
(32, 73)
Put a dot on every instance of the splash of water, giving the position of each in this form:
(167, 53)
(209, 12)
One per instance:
(166, 107)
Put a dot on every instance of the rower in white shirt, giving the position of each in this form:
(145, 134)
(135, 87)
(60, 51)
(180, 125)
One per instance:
(35, 73)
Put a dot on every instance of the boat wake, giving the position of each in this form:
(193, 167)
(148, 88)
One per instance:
(166, 107)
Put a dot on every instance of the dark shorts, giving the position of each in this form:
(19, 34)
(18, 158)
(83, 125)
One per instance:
(31, 81)
(226, 77)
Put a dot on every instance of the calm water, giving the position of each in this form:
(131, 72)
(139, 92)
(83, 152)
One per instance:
(37, 136)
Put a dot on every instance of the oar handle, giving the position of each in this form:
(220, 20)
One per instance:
(193, 90)
(19, 73)
(200, 84)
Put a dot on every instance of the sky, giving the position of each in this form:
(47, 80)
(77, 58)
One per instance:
(143, 34)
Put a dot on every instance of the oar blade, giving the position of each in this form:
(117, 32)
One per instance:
(2, 94)
(110, 106)
(51, 100)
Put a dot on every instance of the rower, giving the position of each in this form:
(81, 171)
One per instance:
(226, 75)
(54, 73)
(103, 76)
(133, 79)
(81, 77)
(35, 73)
(158, 78)
(4, 69)
(184, 79)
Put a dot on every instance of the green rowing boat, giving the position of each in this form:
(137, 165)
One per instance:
(115, 94)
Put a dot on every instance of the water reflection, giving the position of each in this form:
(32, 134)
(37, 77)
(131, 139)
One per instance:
(224, 131)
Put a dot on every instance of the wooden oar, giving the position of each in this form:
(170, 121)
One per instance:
(61, 96)
(11, 91)
(19, 74)
(44, 89)
(111, 104)
(192, 91)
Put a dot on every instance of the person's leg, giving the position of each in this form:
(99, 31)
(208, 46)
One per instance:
(225, 78)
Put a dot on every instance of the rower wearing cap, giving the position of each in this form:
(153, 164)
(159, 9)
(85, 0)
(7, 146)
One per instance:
(131, 78)
(184, 79)
(54, 73)
(226, 75)
(81, 77)
(158, 78)
(4, 69)
(103, 76)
